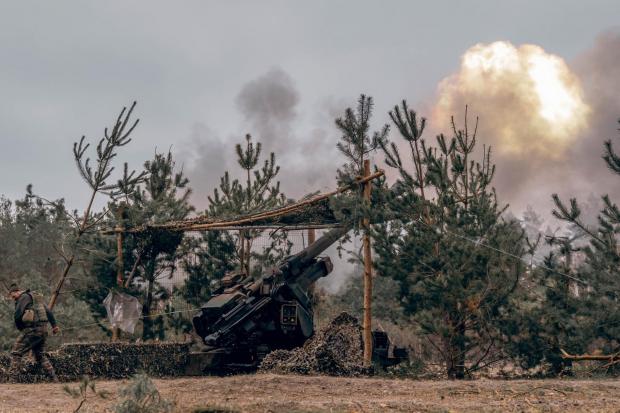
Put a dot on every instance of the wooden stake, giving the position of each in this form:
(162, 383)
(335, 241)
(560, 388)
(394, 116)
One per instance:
(241, 252)
(120, 265)
(311, 236)
(367, 275)
(116, 334)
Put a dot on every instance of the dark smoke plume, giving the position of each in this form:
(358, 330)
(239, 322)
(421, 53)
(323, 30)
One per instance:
(204, 162)
(307, 156)
(599, 71)
(306, 151)
(268, 105)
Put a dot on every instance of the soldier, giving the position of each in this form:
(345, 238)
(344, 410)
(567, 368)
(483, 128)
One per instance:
(31, 318)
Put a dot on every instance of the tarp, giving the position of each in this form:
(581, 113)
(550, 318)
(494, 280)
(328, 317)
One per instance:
(123, 311)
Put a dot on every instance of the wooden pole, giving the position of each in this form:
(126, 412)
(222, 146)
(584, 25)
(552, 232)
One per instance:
(120, 264)
(311, 236)
(120, 267)
(241, 252)
(367, 274)
(597, 357)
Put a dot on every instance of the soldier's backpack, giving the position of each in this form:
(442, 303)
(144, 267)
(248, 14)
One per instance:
(37, 313)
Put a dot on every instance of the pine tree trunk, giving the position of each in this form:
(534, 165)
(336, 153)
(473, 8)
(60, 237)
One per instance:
(460, 347)
(454, 348)
(147, 322)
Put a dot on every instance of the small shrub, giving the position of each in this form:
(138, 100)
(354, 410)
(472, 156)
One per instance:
(81, 392)
(141, 396)
(414, 368)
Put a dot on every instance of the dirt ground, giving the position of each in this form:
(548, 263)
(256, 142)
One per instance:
(273, 393)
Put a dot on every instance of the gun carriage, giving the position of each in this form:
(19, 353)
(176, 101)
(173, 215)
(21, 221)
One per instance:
(246, 319)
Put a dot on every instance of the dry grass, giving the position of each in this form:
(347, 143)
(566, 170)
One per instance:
(273, 393)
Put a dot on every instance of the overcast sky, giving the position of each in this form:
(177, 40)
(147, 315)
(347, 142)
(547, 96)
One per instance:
(195, 68)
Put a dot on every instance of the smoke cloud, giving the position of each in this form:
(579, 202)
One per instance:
(544, 118)
(269, 107)
(599, 71)
(306, 153)
(203, 162)
(305, 147)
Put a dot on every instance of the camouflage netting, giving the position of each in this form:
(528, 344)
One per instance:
(318, 213)
(106, 360)
(307, 212)
(336, 350)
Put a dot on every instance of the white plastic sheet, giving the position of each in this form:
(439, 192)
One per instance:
(123, 310)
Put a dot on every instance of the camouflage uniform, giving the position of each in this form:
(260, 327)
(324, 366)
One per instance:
(33, 334)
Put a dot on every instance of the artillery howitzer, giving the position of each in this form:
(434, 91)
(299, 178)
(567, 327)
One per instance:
(246, 319)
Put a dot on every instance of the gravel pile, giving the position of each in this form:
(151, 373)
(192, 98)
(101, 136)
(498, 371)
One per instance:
(336, 350)
(106, 360)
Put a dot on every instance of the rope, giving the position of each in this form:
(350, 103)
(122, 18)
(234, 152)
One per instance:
(505, 253)
(131, 318)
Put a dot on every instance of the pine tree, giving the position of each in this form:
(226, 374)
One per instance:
(444, 244)
(213, 254)
(98, 176)
(102, 271)
(260, 192)
(148, 257)
(601, 270)
(33, 235)
(536, 230)
(543, 319)
(356, 143)
(164, 197)
(545, 313)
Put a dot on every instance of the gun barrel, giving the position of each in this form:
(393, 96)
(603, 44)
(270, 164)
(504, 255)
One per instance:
(324, 242)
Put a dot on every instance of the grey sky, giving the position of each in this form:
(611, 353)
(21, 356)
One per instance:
(68, 67)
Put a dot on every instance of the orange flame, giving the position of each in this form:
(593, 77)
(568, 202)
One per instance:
(529, 100)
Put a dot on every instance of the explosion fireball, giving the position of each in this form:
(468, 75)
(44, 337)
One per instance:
(529, 101)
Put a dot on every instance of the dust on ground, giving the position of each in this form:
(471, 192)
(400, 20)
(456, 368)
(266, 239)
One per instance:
(274, 393)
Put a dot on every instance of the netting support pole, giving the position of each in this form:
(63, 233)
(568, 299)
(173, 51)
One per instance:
(367, 274)
(312, 289)
(120, 267)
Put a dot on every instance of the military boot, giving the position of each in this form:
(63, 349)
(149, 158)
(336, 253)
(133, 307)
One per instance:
(49, 369)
